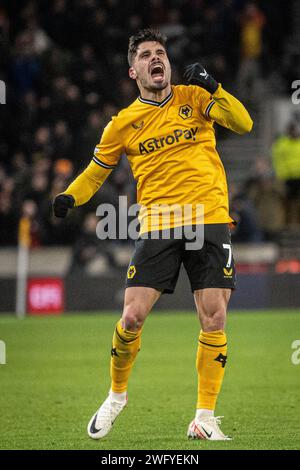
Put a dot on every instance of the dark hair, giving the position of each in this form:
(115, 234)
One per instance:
(143, 35)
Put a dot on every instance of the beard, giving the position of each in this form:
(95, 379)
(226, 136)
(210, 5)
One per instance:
(156, 86)
(153, 87)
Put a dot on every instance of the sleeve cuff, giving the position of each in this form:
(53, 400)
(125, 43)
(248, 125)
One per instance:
(219, 91)
(207, 111)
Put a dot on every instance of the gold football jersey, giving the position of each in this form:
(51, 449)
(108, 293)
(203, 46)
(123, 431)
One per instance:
(171, 149)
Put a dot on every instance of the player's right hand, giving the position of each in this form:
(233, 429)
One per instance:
(62, 203)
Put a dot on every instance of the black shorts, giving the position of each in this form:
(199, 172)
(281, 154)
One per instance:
(156, 262)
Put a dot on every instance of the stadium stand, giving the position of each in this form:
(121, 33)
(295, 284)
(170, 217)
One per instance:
(66, 72)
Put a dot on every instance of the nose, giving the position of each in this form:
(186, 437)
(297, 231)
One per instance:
(154, 57)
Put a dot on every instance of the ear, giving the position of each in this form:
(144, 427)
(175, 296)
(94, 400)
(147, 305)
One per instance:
(132, 73)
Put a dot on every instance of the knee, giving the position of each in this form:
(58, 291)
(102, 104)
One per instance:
(132, 317)
(214, 320)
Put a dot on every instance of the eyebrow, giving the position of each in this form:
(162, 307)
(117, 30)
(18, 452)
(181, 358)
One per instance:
(148, 50)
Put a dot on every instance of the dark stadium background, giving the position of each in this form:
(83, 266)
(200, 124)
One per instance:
(65, 69)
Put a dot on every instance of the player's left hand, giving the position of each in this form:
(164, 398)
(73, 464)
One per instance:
(195, 74)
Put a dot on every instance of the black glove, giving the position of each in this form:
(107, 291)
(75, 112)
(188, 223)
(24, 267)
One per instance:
(62, 203)
(195, 74)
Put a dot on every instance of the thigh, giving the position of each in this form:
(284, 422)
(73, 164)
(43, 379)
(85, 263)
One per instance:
(213, 265)
(155, 264)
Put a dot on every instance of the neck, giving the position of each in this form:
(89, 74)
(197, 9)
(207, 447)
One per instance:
(156, 95)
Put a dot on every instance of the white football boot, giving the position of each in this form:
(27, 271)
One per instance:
(207, 428)
(102, 421)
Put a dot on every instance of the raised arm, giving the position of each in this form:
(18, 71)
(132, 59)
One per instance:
(229, 112)
(220, 105)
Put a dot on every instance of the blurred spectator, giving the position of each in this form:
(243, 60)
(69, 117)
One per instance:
(267, 196)
(63, 168)
(30, 211)
(175, 32)
(62, 140)
(127, 91)
(87, 246)
(39, 188)
(8, 213)
(20, 172)
(286, 161)
(252, 23)
(89, 136)
(4, 39)
(244, 214)
(26, 68)
(40, 40)
(42, 144)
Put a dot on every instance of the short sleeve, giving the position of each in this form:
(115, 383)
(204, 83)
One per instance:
(107, 153)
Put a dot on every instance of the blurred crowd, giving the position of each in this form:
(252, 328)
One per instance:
(269, 201)
(65, 65)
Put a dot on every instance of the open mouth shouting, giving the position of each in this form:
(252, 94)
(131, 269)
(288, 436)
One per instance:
(157, 72)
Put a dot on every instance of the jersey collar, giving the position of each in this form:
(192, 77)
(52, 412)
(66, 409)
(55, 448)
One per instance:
(156, 103)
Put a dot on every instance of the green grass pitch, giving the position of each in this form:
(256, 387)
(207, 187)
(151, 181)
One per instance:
(57, 374)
